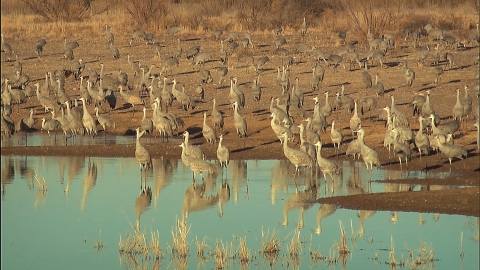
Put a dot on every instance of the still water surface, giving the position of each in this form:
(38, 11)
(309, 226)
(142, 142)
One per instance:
(96, 200)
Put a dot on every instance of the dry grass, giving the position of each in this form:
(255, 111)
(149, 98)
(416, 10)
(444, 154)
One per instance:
(221, 255)
(256, 17)
(342, 246)
(180, 247)
(201, 246)
(270, 246)
(244, 253)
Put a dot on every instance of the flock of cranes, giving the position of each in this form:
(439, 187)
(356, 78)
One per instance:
(288, 106)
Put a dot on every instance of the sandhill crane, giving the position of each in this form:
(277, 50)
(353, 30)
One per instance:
(422, 142)
(240, 122)
(141, 153)
(401, 150)
(297, 157)
(336, 136)
(146, 123)
(108, 35)
(192, 150)
(223, 154)
(89, 123)
(133, 100)
(50, 125)
(355, 121)
(327, 167)
(369, 156)
(451, 151)
(197, 165)
(217, 117)
(105, 120)
(208, 132)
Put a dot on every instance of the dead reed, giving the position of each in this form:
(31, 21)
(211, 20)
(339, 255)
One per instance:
(201, 246)
(244, 253)
(180, 247)
(342, 246)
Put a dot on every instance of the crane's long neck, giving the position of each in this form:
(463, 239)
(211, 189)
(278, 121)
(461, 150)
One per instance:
(205, 118)
(420, 120)
(186, 140)
(393, 103)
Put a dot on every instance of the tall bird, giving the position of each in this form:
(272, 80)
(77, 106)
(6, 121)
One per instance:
(208, 132)
(400, 116)
(297, 157)
(223, 154)
(88, 122)
(326, 109)
(108, 35)
(239, 121)
(369, 155)
(366, 78)
(192, 150)
(217, 116)
(327, 167)
(401, 150)
(104, 120)
(355, 121)
(409, 74)
(141, 154)
(451, 151)
(197, 165)
(421, 140)
(146, 123)
(336, 136)
(303, 27)
(457, 110)
(378, 87)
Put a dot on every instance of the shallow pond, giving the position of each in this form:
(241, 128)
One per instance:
(91, 206)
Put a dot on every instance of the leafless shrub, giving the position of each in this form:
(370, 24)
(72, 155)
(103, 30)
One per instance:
(145, 12)
(378, 15)
(63, 10)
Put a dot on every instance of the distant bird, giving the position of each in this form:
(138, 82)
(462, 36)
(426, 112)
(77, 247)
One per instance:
(256, 89)
(108, 35)
(378, 87)
(366, 78)
(409, 74)
(141, 154)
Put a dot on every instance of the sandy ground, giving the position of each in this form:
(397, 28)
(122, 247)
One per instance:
(261, 142)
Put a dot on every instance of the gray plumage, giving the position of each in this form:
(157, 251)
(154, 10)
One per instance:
(217, 117)
(260, 62)
(108, 35)
(347, 102)
(192, 150)
(223, 154)
(208, 132)
(105, 120)
(136, 35)
(409, 74)
(50, 125)
(451, 127)
(279, 41)
(400, 116)
(146, 123)
(205, 76)
(133, 100)
(417, 104)
(25, 123)
(89, 123)
(327, 167)
(222, 72)
(318, 122)
(336, 136)
(401, 150)
(353, 148)
(326, 109)
(457, 110)
(427, 107)
(367, 104)
(355, 121)
(239, 121)
(167, 65)
(451, 151)
(70, 45)
(297, 157)
(306, 146)
(369, 156)
(378, 87)
(141, 153)
(46, 102)
(279, 129)
(197, 165)
(422, 142)
(438, 71)
(335, 60)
